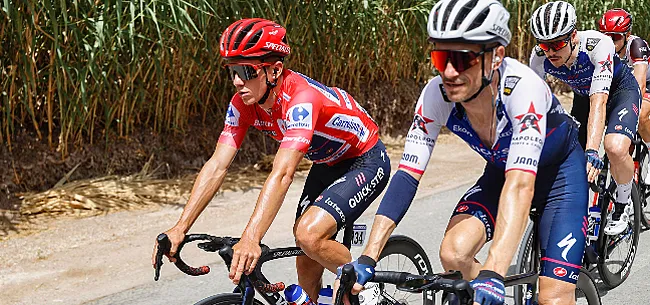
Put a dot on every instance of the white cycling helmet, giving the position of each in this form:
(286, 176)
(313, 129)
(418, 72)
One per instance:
(469, 21)
(552, 20)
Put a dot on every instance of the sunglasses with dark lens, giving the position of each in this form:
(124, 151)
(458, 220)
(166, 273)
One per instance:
(245, 71)
(554, 45)
(616, 36)
(461, 60)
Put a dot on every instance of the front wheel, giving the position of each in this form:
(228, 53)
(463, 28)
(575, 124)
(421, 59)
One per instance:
(226, 299)
(404, 254)
(644, 187)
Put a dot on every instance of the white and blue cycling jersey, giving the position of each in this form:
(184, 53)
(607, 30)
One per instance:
(597, 68)
(533, 129)
(533, 134)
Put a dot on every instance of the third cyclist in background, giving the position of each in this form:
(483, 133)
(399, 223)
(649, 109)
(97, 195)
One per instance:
(633, 51)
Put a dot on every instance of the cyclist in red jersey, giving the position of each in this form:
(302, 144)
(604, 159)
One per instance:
(633, 50)
(323, 124)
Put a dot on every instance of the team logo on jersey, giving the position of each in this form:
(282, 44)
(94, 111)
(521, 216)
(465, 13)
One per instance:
(509, 84)
(299, 117)
(351, 124)
(591, 43)
(420, 121)
(606, 64)
(529, 119)
(232, 116)
(559, 272)
(462, 208)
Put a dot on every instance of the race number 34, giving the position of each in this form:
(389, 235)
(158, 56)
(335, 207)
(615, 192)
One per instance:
(359, 235)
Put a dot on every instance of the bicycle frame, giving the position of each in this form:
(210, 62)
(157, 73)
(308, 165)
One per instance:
(256, 281)
(605, 244)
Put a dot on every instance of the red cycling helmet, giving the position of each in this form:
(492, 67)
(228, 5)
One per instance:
(254, 38)
(615, 21)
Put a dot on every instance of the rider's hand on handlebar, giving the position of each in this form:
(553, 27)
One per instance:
(176, 237)
(245, 255)
(594, 164)
(364, 267)
(488, 288)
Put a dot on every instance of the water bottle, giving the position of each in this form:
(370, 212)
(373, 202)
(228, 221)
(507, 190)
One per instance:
(594, 222)
(325, 295)
(296, 296)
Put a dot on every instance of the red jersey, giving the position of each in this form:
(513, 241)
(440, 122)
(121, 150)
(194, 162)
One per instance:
(325, 123)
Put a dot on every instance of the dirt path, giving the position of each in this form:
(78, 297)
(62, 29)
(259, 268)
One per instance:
(77, 260)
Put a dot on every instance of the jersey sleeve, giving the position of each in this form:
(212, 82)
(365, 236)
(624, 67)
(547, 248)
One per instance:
(602, 58)
(431, 113)
(536, 62)
(235, 125)
(639, 52)
(527, 107)
(300, 120)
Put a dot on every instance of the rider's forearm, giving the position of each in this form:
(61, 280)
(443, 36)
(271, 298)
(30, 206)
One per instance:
(272, 195)
(206, 185)
(382, 227)
(512, 218)
(596, 123)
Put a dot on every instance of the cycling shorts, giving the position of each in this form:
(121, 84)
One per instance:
(347, 188)
(561, 194)
(622, 114)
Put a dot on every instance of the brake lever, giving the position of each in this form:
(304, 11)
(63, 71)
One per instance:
(348, 278)
(164, 246)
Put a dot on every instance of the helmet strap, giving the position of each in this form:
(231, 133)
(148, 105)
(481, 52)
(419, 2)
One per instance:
(269, 87)
(573, 47)
(624, 45)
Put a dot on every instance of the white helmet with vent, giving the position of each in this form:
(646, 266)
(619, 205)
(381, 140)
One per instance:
(469, 21)
(553, 20)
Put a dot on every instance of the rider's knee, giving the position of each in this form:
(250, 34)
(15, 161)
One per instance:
(308, 239)
(617, 150)
(454, 255)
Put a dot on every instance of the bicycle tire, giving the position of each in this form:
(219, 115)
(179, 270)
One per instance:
(586, 286)
(644, 189)
(413, 252)
(614, 279)
(524, 264)
(225, 299)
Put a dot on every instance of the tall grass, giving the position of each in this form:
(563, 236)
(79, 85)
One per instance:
(71, 71)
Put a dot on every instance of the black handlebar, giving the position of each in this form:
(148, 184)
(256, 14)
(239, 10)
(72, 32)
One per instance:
(450, 282)
(164, 246)
(212, 244)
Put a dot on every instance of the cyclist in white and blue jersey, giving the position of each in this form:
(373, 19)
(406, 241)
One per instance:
(508, 115)
(605, 92)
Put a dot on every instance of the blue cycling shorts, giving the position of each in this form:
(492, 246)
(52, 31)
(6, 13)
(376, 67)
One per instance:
(561, 194)
(622, 111)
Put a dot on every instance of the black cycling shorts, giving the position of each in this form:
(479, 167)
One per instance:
(347, 188)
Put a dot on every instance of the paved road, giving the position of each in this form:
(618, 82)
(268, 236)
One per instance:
(431, 213)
